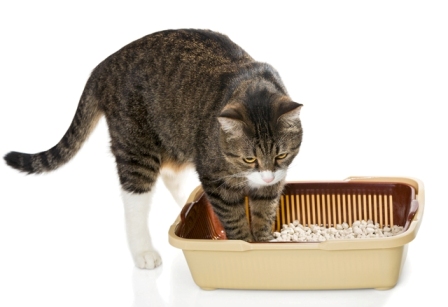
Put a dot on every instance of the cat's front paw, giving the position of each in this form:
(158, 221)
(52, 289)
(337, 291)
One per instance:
(147, 260)
(247, 238)
(265, 238)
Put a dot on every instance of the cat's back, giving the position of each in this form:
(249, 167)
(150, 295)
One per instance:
(196, 44)
(192, 48)
(169, 63)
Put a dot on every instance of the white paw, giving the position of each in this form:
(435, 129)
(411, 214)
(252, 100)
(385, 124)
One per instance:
(147, 260)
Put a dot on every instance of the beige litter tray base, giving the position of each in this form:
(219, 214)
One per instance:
(288, 270)
(215, 262)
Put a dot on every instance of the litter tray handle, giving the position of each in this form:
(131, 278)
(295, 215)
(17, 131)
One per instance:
(412, 211)
(417, 205)
(414, 182)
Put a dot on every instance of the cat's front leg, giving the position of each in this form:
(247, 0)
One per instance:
(228, 205)
(263, 207)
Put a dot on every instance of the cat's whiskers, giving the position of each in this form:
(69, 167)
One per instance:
(290, 168)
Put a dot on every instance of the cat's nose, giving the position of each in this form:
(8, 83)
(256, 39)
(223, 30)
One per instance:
(268, 180)
(267, 177)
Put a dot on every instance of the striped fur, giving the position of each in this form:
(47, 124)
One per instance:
(85, 120)
(189, 97)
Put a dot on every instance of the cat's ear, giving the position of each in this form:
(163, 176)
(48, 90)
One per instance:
(288, 112)
(231, 121)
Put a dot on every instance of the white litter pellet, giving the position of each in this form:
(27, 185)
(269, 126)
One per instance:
(296, 232)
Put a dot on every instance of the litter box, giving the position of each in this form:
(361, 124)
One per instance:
(216, 262)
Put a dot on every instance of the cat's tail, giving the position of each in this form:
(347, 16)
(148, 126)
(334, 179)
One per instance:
(84, 121)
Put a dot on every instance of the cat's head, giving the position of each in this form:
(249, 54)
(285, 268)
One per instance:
(261, 133)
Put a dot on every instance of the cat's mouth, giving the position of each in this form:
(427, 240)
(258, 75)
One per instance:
(265, 178)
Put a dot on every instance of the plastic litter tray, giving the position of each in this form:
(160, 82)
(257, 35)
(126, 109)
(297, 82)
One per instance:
(216, 262)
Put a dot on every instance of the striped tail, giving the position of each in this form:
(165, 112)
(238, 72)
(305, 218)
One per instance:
(85, 120)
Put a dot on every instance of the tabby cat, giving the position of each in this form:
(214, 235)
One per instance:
(180, 98)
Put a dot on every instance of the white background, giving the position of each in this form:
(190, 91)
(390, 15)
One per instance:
(372, 76)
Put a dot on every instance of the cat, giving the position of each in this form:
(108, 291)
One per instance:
(187, 98)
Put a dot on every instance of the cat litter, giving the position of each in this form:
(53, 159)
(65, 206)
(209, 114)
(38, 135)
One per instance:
(376, 219)
(296, 232)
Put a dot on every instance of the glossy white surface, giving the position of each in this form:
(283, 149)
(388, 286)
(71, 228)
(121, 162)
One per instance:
(372, 78)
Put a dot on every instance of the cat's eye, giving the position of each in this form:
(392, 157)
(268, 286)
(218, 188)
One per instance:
(250, 159)
(281, 156)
